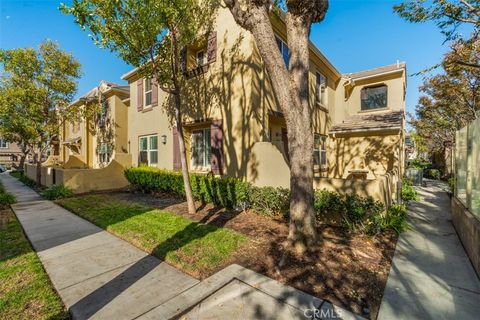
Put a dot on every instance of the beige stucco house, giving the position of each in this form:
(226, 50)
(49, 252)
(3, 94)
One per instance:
(93, 142)
(234, 126)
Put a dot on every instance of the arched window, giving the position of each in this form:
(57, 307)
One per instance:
(374, 97)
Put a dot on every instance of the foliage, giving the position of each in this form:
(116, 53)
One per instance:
(228, 192)
(6, 199)
(39, 85)
(20, 175)
(269, 201)
(434, 174)
(395, 218)
(355, 211)
(408, 193)
(27, 292)
(195, 248)
(451, 184)
(449, 16)
(57, 192)
(419, 163)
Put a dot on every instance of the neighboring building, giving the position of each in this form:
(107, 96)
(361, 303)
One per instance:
(234, 127)
(10, 153)
(93, 143)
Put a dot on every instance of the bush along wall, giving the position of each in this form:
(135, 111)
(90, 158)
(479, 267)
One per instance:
(351, 211)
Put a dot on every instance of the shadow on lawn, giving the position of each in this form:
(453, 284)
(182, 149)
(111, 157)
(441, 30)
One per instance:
(96, 300)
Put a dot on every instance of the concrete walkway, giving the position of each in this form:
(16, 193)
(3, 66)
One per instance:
(431, 276)
(100, 276)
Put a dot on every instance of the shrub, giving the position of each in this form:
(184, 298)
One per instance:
(270, 201)
(420, 163)
(353, 210)
(434, 174)
(57, 192)
(409, 193)
(395, 218)
(6, 199)
(226, 191)
(451, 184)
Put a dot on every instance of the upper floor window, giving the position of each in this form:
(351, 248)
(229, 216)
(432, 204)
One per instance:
(3, 144)
(283, 47)
(320, 85)
(374, 97)
(201, 59)
(147, 91)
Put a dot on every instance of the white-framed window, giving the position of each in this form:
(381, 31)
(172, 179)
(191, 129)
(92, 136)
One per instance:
(320, 85)
(283, 47)
(320, 150)
(148, 150)
(200, 56)
(201, 148)
(3, 144)
(103, 153)
(147, 92)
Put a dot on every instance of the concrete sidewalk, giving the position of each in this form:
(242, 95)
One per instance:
(431, 276)
(100, 276)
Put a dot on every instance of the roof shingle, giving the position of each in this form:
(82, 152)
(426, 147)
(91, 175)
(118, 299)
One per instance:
(369, 122)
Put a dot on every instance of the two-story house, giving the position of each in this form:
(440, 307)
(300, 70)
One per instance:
(10, 153)
(93, 142)
(234, 127)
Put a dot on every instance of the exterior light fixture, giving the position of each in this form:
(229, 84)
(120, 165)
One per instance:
(164, 139)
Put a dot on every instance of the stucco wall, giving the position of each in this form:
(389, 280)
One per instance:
(378, 153)
(468, 229)
(271, 169)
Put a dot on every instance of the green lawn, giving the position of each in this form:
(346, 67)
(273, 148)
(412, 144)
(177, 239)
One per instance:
(195, 248)
(25, 289)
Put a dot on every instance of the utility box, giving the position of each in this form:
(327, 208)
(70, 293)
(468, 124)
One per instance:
(416, 175)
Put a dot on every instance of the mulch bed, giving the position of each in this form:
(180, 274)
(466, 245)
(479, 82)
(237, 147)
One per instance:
(347, 269)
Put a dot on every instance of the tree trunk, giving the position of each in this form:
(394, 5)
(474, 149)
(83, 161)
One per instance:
(21, 165)
(183, 154)
(291, 91)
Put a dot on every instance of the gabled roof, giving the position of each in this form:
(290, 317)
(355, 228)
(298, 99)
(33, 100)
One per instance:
(103, 87)
(387, 120)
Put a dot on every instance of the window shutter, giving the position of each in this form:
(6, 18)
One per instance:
(139, 94)
(285, 143)
(216, 142)
(154, 92)
(177, 164)
(183, 59)
(212, 47)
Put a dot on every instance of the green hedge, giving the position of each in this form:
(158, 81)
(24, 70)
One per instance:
(351, 211)
(226, 192)
(57, 192)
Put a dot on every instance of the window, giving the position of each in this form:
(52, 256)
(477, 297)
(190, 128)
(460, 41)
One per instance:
(148, 92)
(200, 58)
(3, 144)
(320, 150)
(282, 46)
(148, 147)
(374, 97)
(320, 84)
(103, 153)
(201, 148)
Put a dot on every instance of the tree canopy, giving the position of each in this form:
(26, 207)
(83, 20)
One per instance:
(36, 89)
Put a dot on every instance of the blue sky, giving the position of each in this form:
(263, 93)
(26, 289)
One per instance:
(355, 35)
